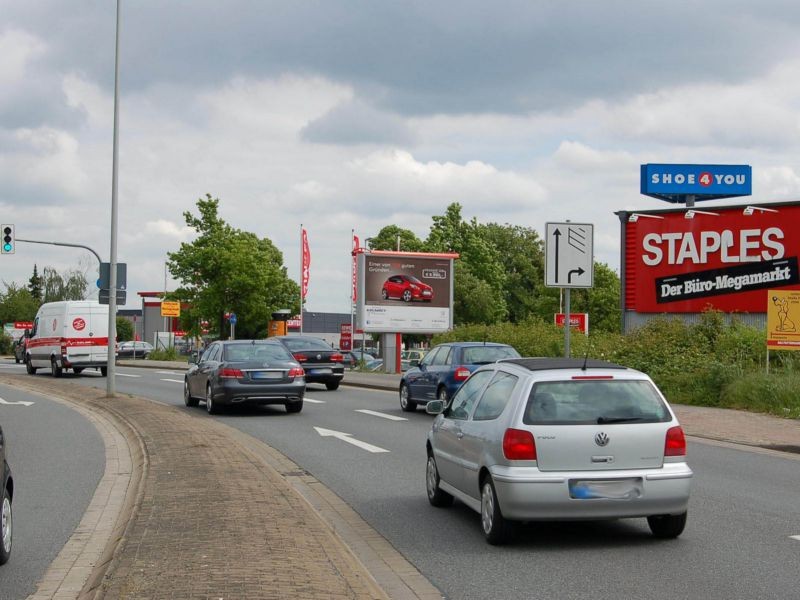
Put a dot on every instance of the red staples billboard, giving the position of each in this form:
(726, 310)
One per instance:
(688, 260)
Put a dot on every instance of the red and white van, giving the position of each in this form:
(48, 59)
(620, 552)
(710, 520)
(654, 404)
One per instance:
(71, 334)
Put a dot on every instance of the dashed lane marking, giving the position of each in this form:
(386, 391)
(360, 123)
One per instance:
(381, 415)
(165, 372)
(307, 399)
(173, 380)
(125, 375)
(795, 537)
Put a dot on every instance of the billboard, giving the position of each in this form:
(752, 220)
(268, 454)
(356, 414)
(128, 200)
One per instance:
(404, 292)
(674, 183)
(783, 320)
(686, 260)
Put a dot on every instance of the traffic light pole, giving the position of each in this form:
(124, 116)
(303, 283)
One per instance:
(99, 260)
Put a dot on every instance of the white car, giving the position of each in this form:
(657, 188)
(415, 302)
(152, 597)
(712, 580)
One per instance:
(549, 439)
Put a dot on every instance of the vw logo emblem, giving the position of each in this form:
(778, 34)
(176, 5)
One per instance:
(601, 439)
(319, 356)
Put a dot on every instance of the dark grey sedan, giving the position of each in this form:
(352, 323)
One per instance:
(6, 495)
(245, 372)
(322, 363)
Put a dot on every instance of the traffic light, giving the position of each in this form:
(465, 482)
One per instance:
(9, 243)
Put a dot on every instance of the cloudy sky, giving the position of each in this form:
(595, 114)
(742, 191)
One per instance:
(360, 114)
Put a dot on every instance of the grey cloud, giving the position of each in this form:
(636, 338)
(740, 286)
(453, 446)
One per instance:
(357, 123)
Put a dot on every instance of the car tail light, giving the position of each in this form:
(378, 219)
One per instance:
(337, 357)
(63, 349)
(675, 444)
(228, 373)
(300, 357)
(461, 374)
(297, 372)
(518, 444)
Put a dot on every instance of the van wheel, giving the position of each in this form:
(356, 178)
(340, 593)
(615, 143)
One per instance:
(55, 369)
(29, 367)
(78, 370)
(104, 371)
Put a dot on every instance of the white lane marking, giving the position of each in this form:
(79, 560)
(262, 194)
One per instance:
(20, 402)
(346, 437)
(381, 415)
(795, 537)
(307, 399)
(173, 380)
(125, 375)
(165, 372)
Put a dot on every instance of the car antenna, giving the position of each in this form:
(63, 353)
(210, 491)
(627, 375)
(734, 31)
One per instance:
(586, 356)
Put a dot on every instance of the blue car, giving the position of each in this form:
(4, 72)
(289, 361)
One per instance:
(442, 371)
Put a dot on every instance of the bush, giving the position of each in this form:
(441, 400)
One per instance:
(166, 354)
(6, 344)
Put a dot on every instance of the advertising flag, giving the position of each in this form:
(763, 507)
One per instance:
(306, 265)
(355, 266)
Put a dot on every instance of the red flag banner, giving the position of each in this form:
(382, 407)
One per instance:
(306, 265)
(355, 266)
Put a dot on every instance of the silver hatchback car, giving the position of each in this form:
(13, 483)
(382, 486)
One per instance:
(536, 439)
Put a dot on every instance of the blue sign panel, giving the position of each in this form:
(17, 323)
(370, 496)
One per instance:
(674, 183)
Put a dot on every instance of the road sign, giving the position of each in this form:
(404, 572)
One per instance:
(103, 297)
(170, 308)
(569, 255)
(232, 318)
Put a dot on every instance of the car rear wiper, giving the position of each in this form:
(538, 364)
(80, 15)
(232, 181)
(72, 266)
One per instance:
(603, 420)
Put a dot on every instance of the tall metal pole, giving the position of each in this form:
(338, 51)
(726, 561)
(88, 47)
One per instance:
(112, 292)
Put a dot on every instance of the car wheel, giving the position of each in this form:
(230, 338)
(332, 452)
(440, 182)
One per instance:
(384, 294)
(210, 406)
(436, 496)
(294, 407)
(29, 367)
(6, 529)
(78, 370)
(332, 385)
(667, 526)
(17, 360)
(407, 296)
(187, 396)
(494, 525)
(406, 403)
(441, 394)
(55, 369)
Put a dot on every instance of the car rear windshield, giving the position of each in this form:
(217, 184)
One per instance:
(577, 402)
(304, 343)
(483, 355)
(260, 352)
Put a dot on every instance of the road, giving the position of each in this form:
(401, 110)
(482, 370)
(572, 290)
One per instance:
(57, 458)
(738, 544)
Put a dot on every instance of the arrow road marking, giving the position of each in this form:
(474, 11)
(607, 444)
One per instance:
(21, 402)
(381, 415)
(795, 537)
(346, 437)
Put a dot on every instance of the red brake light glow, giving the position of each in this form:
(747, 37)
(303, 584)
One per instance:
(337, 357)
(300, 357)
(675, 443)
(518, 444)
(296, 372)
(227, 373)
(593, 377)
(461, 374)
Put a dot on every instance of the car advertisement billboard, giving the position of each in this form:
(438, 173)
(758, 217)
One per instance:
(686, 260)
(405, 292)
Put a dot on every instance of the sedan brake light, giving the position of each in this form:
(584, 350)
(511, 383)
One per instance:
(297, 372)
(461, 374)
(675, 443)
(300, 357)
(228, 373)
(518, 444)
(337, 357)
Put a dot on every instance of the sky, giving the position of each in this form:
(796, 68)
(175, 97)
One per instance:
(349, 116)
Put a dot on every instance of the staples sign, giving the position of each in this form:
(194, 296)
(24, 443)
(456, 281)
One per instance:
(721, 258)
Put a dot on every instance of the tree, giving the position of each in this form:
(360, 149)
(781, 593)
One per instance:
(602, 301)
(17, 304)
(228, 270)
(71, 285)
(124, 330)
(387, 240)
(475, 301)
(35, 285)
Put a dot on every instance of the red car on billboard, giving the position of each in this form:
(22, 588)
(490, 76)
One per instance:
(406, 288)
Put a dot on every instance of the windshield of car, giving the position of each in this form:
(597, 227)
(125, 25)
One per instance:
(594, 401)
(306, 343)
(483, 355)
(256, 352)
(412, 279)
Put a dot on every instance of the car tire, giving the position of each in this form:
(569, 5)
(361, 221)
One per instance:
(211, 408)
(294, 407)
(6, 528)
(436, 496)
(29, 367)
(494, 525)
(407, 296)
(104, 371)
(384, 294)
(187, 397)
(441, 394)
(332, 385)
(16, 359)
(406, 403)
(55, 369)
(667, 526)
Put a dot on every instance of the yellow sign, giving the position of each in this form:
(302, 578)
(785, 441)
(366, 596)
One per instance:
(783, 319)
(170, 308)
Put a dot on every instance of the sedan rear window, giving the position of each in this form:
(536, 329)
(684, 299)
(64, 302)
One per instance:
(594, 401)
(260, 352)
(305, 343)
(483, 355)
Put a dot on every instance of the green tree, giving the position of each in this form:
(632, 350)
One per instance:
(35, 285)
(228, 270)
(475, 301)
(387, 240)
(602, 301)
(71, 285)
(17, 304)
(124, 330)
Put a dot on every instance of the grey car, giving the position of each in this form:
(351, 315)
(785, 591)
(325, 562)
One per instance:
(536, 439)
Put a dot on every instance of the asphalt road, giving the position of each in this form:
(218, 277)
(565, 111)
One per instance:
(57, 458)
(738, 542)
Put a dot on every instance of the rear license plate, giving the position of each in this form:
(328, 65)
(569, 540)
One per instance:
(267, 375)
(325, 371)
(612, 489)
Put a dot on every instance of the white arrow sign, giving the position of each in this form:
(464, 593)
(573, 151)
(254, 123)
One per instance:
(346, 437)
(22, 402)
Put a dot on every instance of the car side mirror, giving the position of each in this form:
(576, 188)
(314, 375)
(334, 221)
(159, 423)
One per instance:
(194, 357)
(434, 407)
